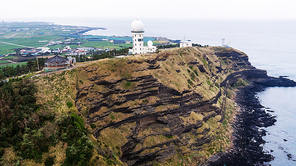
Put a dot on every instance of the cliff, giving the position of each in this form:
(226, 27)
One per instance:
(172, 107)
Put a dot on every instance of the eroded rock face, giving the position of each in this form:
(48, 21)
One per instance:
(153, 108)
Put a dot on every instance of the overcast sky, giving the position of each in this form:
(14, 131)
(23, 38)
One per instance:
(23, 10)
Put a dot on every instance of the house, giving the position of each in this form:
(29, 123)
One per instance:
(57, 62)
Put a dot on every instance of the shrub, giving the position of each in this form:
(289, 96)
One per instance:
(195, 71)
(191, 67)
(78, 121)
(217, 85)
(69, 104)
(240, 82)
(209, 82)
(112, 116)
(190, 82)
(2, 151)
(128, 84)
(93, 126)
(204, 62)
(192, 75)
(80, 148)
(49, 161)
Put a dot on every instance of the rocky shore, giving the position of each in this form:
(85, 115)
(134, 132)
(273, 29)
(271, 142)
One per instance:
(252, 116)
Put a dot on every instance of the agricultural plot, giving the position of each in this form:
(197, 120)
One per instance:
(9, 57)
(13, 64)
(4, 61)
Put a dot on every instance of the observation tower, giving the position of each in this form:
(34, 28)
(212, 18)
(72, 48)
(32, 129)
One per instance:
(137, 33)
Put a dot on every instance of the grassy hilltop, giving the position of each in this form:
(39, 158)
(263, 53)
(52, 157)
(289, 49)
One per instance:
(173, 107)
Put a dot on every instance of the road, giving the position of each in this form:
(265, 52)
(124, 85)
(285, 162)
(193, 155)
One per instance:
(15, 44)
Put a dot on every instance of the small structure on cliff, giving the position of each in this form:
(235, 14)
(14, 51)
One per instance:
(57, 62)
(186, 43)
(138, 42)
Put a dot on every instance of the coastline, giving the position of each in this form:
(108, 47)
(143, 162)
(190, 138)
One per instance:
(248, 125)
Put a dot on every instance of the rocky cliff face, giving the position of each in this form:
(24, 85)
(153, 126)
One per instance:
(170, 107)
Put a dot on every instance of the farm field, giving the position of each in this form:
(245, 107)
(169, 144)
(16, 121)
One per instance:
(13, 64)
(4, 61)
(8, 57)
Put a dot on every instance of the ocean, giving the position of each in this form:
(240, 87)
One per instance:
(270, 45)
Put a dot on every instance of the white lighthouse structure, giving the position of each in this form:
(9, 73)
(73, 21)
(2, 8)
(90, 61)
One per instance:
(138, 42)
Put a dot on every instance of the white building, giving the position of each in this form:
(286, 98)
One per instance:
(187, 43)
(138, 43)
(44, 50)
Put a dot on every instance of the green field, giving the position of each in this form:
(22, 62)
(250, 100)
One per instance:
(8, 57)
(61, 46)
(105, 44)
(47, 32)
(5, 61)
(14, 64)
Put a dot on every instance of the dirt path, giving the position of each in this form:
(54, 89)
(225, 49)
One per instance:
(15, 44)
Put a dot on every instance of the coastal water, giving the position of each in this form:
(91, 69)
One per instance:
(270, 45)
(280, 137)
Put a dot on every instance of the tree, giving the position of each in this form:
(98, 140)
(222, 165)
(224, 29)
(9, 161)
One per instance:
(30, 64)
(18, 69)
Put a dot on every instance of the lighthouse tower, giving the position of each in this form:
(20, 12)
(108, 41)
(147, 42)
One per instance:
(137, 33)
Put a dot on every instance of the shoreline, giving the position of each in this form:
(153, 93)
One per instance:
(248, 125)
(247, 133)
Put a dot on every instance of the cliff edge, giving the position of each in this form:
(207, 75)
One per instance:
(172, 105)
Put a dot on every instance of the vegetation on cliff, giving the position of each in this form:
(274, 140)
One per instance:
(171, 107)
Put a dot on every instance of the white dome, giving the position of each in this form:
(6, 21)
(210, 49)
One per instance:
(150, 43)
(137, 25)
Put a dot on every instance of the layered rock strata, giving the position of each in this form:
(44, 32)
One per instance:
(152, 108)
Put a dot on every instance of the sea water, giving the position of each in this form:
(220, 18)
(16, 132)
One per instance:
(281, 137)
(270, 45)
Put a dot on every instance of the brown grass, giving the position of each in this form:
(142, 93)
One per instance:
(9, 157)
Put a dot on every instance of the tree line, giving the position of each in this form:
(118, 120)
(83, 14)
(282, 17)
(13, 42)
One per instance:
(32, 65)
(96, 55)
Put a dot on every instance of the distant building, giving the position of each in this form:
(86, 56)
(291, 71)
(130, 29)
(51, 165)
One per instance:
(44, 50)
(119, 41)
(137, 39)
(57, 62)
(187, 43)
(71, 60)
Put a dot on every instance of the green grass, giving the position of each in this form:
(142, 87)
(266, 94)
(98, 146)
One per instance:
(5, 61)
(9, 57)
(14, 64)
(27, 40)
(205, 62)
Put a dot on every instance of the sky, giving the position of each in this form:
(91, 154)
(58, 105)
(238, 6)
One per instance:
(44, 10)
